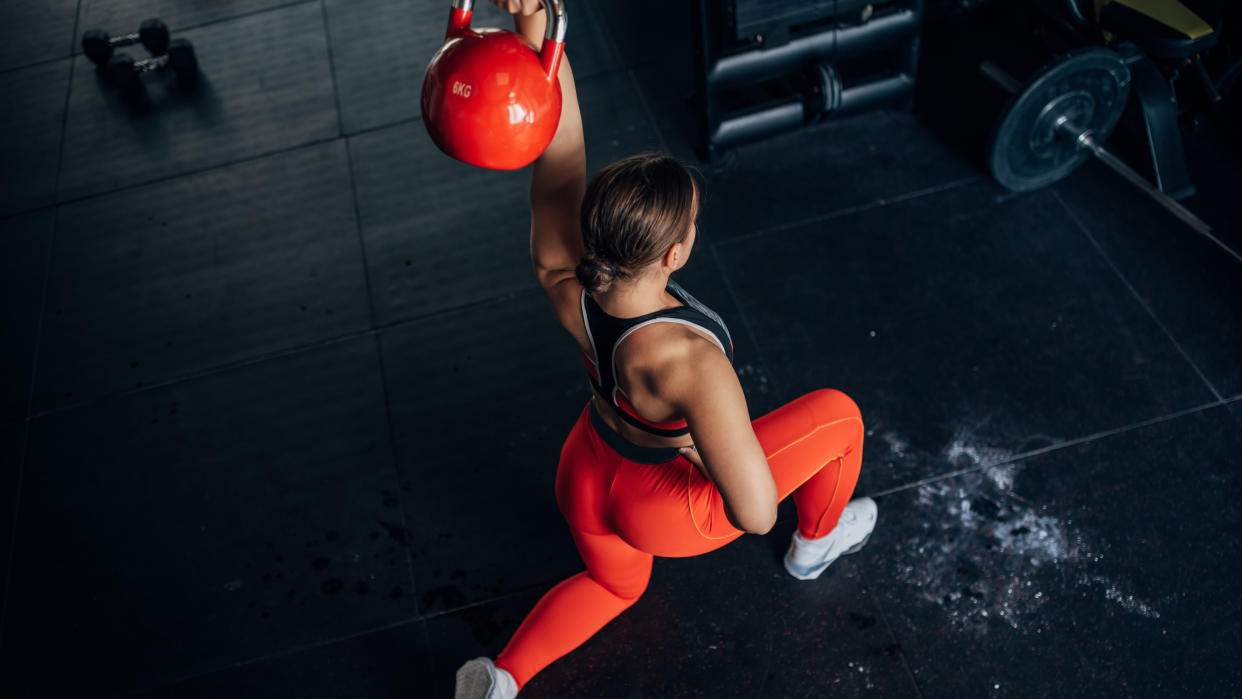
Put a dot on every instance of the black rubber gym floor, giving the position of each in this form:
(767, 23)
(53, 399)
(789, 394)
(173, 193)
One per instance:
(282, 403)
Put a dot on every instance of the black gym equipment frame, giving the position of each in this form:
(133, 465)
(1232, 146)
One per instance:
(770, 66)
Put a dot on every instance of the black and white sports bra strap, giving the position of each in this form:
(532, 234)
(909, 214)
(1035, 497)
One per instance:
(713, 322)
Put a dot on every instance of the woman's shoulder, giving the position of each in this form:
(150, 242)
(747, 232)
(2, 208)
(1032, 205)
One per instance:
(715, 323)
(658, 348)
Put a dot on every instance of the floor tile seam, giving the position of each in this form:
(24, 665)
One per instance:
(283, 352)
(36, 64)
(34, 368)
(368, 130)
(616, 46)
(410, 120)
(77, 22)
(336, 87)
(1077, 441)
(396, 473)
(283, 653)
(77, 17)
(892, 635)
(647, 111)
(525, 589)
(192, 172)
(5, 218)
(210, 168)
(415, 118)
(607, 32)
(746, 324)
(341, 135)
(1134, 292)
(850, 210)
(366, 279)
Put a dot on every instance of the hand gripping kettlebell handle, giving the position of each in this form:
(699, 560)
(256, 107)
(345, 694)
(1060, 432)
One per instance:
(553, 39)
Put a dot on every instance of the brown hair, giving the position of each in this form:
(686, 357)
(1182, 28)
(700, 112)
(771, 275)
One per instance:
(633, 211)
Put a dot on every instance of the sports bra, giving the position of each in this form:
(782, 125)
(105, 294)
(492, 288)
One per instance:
(606, 333)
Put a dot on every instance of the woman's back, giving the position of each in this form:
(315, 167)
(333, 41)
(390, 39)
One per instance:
(624, 357)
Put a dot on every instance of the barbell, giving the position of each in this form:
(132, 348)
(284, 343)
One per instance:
(1059, 119)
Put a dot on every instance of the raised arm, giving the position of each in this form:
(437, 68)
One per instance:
(557, 183)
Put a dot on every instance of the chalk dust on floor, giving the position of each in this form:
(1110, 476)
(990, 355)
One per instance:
(985, 555)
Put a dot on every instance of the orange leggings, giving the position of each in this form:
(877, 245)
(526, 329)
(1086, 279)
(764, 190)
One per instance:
(626, 504)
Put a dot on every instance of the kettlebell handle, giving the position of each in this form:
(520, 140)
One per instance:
(553, 39)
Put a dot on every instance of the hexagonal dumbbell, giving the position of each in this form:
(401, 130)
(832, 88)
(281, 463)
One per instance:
(98, 46)
(123, 70)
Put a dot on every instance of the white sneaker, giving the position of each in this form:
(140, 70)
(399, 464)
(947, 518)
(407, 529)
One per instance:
(807, 558)
(481, 679)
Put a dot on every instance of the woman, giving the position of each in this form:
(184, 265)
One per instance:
(664, 460)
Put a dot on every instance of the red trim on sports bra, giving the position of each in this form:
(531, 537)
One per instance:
(590, 366)
(623, 402)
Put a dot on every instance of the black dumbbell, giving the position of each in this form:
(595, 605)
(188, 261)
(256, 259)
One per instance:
(123, 70)
(98, 46)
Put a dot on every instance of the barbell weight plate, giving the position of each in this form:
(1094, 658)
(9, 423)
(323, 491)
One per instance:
(1088, 88)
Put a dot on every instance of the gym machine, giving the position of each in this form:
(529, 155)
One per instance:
(764, 67)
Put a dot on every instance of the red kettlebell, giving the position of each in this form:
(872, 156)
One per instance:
(488, 99)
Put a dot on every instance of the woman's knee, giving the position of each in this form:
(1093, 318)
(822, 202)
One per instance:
(830, 405)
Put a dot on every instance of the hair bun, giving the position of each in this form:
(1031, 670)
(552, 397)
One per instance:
(593, 274)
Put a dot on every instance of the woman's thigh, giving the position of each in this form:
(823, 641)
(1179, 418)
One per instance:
(803, 435)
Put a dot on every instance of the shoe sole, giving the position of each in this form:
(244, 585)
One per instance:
(473, 681)
(818, 571)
